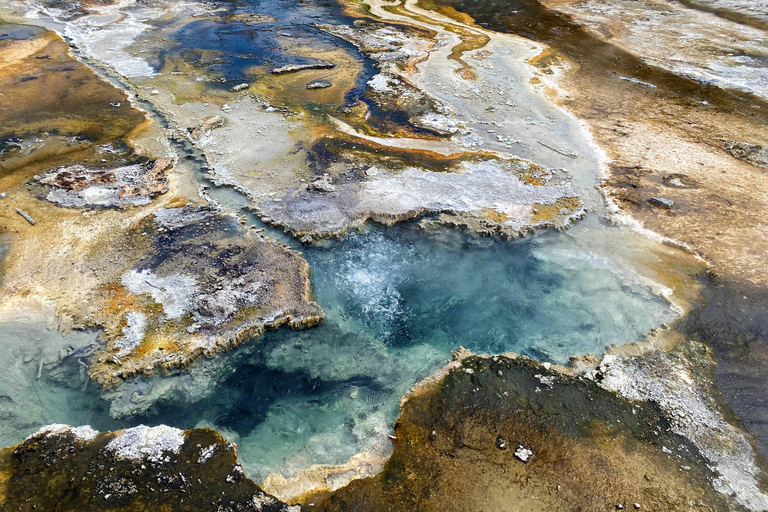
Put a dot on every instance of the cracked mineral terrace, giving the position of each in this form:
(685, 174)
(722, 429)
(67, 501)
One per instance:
(180, 177)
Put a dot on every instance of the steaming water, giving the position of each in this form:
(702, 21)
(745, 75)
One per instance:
(397, 302)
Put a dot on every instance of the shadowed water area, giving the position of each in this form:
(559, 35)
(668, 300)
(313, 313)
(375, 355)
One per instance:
(397, 302)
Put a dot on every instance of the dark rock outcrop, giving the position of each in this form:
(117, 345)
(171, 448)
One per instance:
(143, 468)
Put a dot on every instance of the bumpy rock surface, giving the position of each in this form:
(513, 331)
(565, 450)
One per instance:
(204, 285)
(507, 433)
(142, 468)
(489, 196)
(122, 186)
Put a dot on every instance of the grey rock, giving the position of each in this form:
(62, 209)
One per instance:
(751, 153)
(293, 68)
(661, 203)
(319, 84)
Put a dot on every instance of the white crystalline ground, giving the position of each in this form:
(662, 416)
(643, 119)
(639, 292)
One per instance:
(696, 44)
(150, 443)
(174, 292)
(133, 333)
(480, 186)
(94, 196)
(84, 433)
(673, 389)
(380, 83)
(443, 122)
(385, 44)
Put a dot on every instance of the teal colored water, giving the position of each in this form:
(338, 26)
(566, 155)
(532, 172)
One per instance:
(397, 302)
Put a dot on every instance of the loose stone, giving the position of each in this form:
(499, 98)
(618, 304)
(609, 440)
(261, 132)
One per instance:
(660, 202)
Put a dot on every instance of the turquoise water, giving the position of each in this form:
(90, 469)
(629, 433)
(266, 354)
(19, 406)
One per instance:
(397, 302)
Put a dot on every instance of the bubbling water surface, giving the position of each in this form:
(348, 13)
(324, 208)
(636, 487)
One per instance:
(398, 301)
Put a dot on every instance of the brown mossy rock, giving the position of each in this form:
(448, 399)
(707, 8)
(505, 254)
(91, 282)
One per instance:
(567, 445)
(59, 470)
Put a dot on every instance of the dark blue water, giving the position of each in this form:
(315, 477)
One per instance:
(230, 49)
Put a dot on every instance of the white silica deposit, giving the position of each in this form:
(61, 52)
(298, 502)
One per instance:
(150, 443)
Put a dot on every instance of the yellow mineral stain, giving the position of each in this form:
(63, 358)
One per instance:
(548, 212)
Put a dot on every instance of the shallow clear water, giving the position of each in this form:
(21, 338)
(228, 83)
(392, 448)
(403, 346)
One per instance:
(397, 302)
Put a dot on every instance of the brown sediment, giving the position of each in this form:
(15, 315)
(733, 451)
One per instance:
(470, 40)
(457, 439)
(340, 144)
(45, 90)
(55, 111)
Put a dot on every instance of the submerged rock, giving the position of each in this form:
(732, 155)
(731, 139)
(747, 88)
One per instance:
(142, 468)
(294, 68)
(319, 84)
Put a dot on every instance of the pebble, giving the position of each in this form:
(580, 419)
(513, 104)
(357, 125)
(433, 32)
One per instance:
(523, 454)
(660, 202)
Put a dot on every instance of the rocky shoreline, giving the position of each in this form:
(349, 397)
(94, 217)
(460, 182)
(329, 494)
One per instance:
(483, 432)
(440, 119)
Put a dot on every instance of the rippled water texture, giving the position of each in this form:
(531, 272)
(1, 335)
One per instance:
(397, 302)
